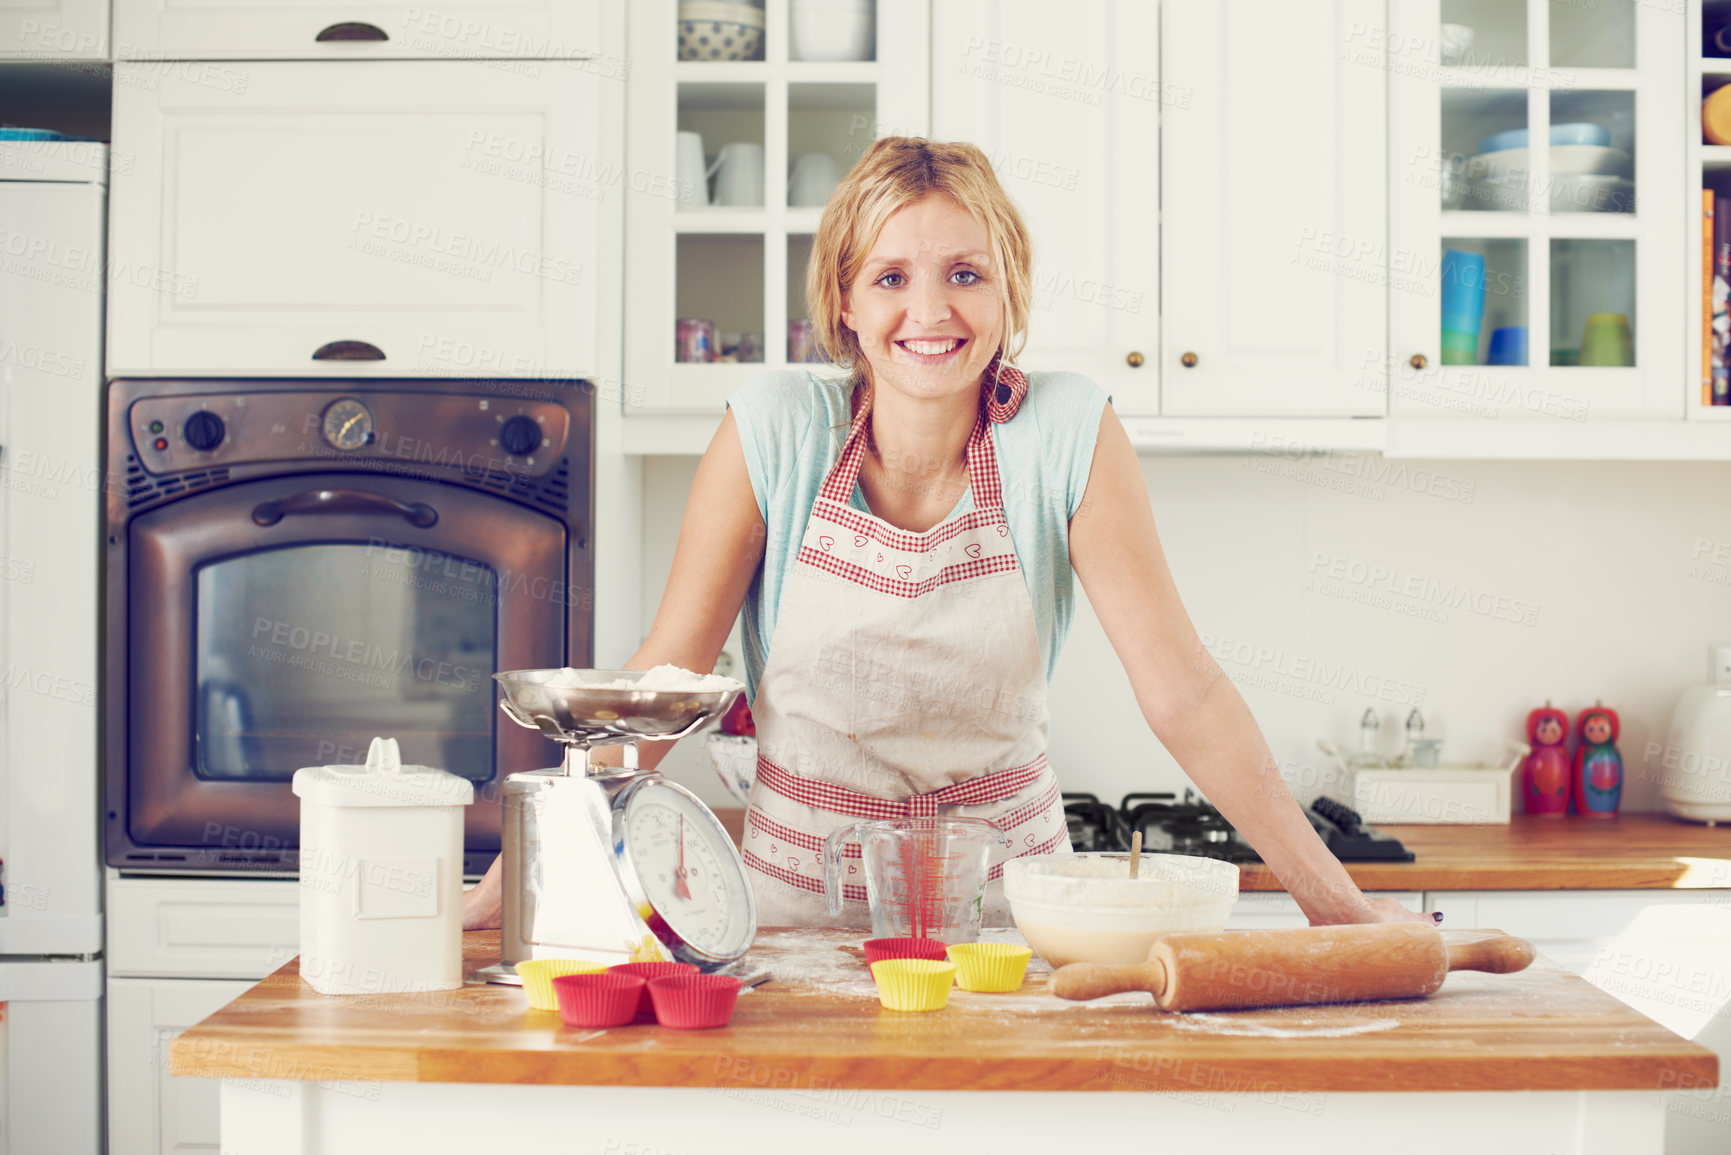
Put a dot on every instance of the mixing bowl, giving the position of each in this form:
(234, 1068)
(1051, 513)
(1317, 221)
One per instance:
(1087, 908)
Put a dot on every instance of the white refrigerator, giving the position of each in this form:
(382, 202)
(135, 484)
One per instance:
(52, 278)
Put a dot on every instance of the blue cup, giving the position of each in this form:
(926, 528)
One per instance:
(1463, 291)
(1508, 346)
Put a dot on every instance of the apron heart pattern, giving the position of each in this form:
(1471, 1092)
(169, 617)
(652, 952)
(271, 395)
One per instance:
(793, 863)
(904, 572)
(880, 559)
(859, 540)
(828, 543)
(1003, 531)
(973, 551)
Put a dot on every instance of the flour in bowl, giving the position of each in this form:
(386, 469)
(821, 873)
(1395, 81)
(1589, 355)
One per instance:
(663, 678)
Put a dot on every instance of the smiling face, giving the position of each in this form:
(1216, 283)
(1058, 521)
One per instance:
(926, 307)
(1597, 729)
(1549, 731)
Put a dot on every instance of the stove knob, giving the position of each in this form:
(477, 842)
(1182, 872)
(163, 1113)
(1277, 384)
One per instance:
(520, 436)
(204, 431)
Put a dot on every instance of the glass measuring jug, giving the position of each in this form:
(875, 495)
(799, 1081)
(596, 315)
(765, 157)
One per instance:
(924, 877)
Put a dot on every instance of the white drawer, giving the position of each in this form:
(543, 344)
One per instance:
(201, 928)
(173, 30)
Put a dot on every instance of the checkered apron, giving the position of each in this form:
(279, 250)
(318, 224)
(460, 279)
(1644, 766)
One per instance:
(905, 680)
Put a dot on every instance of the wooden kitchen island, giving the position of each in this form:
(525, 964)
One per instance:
(1536, 1061)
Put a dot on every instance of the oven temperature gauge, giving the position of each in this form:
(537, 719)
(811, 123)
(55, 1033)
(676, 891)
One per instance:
(687, 871)
(348, 424)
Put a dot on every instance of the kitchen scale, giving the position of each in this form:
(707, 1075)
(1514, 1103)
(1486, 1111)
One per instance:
(614, 863)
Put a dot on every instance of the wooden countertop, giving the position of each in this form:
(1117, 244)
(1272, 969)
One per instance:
(818, 1025)
(1630, 852)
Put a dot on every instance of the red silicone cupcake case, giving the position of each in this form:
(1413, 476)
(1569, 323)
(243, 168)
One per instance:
(694, 1002)
(649, 972)
(601, 999)
(879, 949)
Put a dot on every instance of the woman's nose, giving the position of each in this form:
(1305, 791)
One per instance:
(929, 304)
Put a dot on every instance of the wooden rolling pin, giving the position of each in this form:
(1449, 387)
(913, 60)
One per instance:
(1234, 969)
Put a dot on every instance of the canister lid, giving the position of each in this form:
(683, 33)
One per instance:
(383, 781)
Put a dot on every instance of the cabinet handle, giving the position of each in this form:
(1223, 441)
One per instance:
(1189, 360)
(1134, 360)
(349, 351)
(1418, 361)
(352, 30)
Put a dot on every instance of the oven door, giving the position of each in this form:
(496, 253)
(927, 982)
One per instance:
(285, 622)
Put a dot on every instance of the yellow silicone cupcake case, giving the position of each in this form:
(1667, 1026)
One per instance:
(538, 975)
(913, 984)
(993, 967)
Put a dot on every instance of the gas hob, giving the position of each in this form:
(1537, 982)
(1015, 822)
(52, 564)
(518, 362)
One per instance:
(1189, 825)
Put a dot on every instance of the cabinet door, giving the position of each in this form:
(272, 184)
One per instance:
(1538, 282)
(1663, 952)
(203, 927)
(331, 219)
(322, 30)
(1067, 106)
(1275, 186)
(54, 29)
(151, 1112)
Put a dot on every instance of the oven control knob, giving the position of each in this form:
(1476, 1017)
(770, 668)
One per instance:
(520, 436)
(204, 431)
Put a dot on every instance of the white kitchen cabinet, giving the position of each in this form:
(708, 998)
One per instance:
(1557, 247)
(741, 267)
(1274, 189)
(173, 30)
(1068, 107)
(1666, 953)
(327, 219)
(151, 1112)
(53, 29)
(201, 927)
(1275, 909)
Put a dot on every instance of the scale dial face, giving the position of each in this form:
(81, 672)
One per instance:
(689, 871)
(348, 424)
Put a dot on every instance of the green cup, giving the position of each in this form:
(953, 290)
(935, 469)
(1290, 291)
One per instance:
(1606, 340)
(1459, 348)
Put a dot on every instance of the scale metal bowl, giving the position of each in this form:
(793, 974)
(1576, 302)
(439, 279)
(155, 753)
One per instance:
(569, 707)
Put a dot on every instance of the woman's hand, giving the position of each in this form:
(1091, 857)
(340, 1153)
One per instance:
(483, 903)
(1383, 909)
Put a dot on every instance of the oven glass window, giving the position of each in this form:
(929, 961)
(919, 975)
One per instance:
(305, 654)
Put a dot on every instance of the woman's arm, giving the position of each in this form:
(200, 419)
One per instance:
(720, 546)
(1190, 704)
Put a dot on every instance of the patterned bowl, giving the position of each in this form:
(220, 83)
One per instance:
(719, 40)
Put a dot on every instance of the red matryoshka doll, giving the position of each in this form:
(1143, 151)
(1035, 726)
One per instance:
(1598, 773)
(1545, 772)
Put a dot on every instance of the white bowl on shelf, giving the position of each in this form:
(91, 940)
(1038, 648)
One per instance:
(831, 30)
(1565, 160)
(713, 31)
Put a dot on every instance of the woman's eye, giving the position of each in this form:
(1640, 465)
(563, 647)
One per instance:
(891, 280)
(966, 277)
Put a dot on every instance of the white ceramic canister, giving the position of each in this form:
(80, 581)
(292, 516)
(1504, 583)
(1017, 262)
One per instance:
(381, 875)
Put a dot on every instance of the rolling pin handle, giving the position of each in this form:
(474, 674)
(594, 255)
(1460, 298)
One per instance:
(1492, 952)
(1083, 981)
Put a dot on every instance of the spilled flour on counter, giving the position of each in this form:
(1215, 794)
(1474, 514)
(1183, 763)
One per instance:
(1228, 1025)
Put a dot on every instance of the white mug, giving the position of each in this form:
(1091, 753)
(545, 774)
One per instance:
(740, 182)
(814, 177)
(689, 174)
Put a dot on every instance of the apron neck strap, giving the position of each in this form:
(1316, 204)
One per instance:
(983, 477)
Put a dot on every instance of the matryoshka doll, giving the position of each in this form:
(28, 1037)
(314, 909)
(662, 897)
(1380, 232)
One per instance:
(1545, 772)
(1598, 767)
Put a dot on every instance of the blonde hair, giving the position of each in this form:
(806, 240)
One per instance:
(894, 173)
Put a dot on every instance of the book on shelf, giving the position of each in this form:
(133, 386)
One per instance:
(1721, 290)
(1706, 296)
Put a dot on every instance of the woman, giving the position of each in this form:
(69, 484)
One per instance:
(901, 542)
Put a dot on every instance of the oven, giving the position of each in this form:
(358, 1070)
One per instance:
(294, 567)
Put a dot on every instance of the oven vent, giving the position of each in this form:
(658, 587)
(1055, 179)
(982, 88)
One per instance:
(141, 488)
(550, 492)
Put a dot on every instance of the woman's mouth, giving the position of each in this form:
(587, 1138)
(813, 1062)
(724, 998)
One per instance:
(931, 350)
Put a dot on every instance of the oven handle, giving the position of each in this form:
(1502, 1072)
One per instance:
(343, 501)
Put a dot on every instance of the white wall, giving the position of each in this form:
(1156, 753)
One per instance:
(1529, 580)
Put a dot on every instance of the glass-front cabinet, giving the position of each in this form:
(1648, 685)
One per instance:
(741, 118)
(1536, 268)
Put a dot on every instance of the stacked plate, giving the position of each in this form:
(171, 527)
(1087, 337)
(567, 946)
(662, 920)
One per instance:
(1587, 175)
